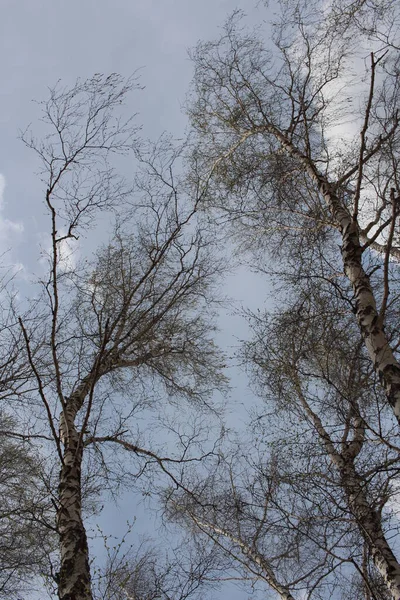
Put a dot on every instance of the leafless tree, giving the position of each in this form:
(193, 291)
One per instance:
(307, 179)
(308, 500)
(125, 330)
(293, 176)
(317, 360)
(119, 333)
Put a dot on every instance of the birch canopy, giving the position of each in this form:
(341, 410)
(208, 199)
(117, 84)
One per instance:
(306, 126)
(111, 370)
(293, 181)
(121, 331)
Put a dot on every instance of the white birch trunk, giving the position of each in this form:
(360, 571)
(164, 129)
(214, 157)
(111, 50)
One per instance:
(367, 518)
(372, 331)
(74, 577)
(369, 523)
(385, 364)
(267, 573)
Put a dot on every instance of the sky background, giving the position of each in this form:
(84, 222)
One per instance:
(43, 41)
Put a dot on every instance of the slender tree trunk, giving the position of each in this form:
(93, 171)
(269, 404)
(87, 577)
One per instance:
(370, 324)
(366, 516)
(369, 523)
(371, 327)
(251, 553)
(74, 578)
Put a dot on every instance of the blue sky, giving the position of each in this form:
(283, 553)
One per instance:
(45, 41)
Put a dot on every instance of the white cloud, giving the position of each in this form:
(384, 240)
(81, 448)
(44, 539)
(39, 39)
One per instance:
(9, 230)
(2, 187)
(68, 252)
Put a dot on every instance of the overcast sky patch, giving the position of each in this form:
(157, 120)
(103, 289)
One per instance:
(9, 230)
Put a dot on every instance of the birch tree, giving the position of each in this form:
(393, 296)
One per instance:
(309, 183)
(308, 500)
(122, 331)
(322, 367)
(296, 177)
